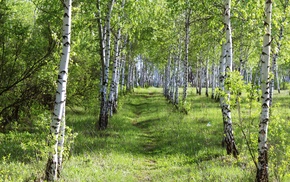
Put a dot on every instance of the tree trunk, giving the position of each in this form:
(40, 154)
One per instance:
(167, 79)
(200, 81)
(197, 79)
(262, 170)
(274, 62)
(61, 144)
(123, 63)
(172, 91)
(206, 78)
(103, 117)
(185, 66)
(58, 120)
(112, 96)
(176, 98)
(114, 80)
(227, 119)
(128, 77)
(213, 83)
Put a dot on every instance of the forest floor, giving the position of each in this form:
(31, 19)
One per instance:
(149, 139)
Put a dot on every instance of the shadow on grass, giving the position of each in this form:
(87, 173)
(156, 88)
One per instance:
(140, 128)
(145, 125)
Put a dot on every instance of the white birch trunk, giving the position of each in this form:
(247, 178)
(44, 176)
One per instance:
(262, 170)
(274, 62)
(200, 80)
(123, 62)
(128, 78)
(115, 106)
(142, 79)
(227, 119)
(185, 66)
(173, 83)
(167, 78)
(61, 143)
(112, 96)
(222, 69)
(176, 98)
(58, 121)
(197, 78)
(103, 117)
(213, 83)
(206, 78)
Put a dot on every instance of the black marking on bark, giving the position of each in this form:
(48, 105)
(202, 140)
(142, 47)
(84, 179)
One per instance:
(65, 15)
(66, 44)
(265, 121)
(265, 105)
(263, 132)
(62, 72)
(269, 43)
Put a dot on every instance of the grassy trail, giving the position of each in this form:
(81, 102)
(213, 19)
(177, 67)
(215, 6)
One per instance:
(149, 140)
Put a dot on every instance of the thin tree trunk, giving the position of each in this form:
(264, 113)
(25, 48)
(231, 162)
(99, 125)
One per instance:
(185, 66)
(213, 83)
(112, 96)
(197, 79)
(128, 77)
(176, 98)
(262, 170)
(200, 81)
(229, 136)
(167, 79)
(206, 78)
(58, 120)
(173, 82)
(103, 117)
(61, 143)
(222, 73)
(274, 60)
(123, 63)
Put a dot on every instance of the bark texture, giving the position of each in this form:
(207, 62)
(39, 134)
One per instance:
(229, 140)
(262, 168)
(185, 66)
(105, 38)
(57, 127)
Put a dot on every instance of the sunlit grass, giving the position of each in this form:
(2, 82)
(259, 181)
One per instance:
(149, 139)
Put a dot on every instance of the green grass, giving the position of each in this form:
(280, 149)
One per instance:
(147, 140)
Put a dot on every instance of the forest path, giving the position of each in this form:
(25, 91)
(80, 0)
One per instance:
(147, 112)
(149, 139)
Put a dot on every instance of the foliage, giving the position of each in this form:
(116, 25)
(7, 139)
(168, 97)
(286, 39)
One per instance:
(279, 144)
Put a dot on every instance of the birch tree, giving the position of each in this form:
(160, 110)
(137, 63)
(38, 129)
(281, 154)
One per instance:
(274, 68)
(185, 66)
(112, 102)
(229, 140)
(262, 168)
(57, 126)
(104, 30)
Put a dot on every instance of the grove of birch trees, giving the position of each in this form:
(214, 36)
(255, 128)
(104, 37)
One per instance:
(58, 54)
